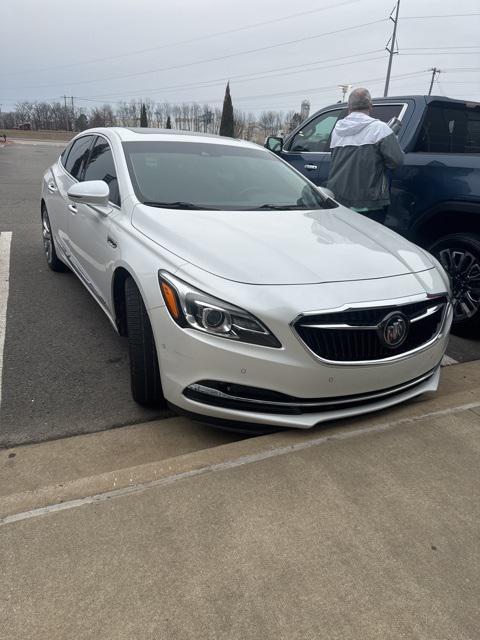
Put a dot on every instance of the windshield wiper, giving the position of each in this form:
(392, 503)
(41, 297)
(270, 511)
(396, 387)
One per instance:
(281, 207)
(178, 205)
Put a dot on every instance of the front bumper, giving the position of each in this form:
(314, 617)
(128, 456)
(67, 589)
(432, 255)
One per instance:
(188, 357)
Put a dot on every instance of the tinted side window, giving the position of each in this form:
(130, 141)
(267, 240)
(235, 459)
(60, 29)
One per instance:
(64, 154)
(385, 112)
(101, 167)
(450, 129)
(315, 136)
(473, 130)
(77, 156)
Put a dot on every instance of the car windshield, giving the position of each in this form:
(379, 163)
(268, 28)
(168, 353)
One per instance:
(199, 175)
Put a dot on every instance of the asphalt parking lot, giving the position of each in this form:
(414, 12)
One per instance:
(65, 371)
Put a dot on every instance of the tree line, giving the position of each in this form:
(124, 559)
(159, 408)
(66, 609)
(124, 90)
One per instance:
(192, 116)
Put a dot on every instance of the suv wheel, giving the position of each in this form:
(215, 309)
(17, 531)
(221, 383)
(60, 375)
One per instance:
(459, 255)
(53, 261)
(144, 371)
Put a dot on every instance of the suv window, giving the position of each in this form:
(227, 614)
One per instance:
(101, 166)
(385, 112)
(77, 156)
(315, 136)
(450, 128)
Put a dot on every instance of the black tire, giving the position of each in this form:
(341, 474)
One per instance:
(53, 260)
(459, 254)
(144, 371)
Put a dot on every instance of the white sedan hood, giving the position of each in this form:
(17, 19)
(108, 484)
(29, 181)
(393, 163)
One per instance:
(282, 247)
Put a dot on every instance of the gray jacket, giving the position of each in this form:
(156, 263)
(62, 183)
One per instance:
(362, 150)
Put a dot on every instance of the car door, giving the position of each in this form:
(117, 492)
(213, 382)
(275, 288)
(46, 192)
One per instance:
(63, 175)
(92, 247)
(308, 149)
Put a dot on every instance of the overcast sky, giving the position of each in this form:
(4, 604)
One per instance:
(144, 40)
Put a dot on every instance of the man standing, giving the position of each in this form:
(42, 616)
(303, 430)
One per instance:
(362, 150)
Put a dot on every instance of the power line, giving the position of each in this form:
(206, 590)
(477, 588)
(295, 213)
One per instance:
(205, 60)
(309, 90)
(313, 90)
(444, 15)
(472, 46)
(182, 42)
(440, 53)
(246, 77)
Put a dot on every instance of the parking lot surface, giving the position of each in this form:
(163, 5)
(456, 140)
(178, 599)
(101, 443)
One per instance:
(367, 530)
(65, 371)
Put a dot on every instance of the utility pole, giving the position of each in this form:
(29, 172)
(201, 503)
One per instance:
(345, 88)
(392, 42)
(73, 113)
(435, 72)
(67, 127)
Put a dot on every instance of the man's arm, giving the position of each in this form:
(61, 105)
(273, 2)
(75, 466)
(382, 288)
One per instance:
(391, 151)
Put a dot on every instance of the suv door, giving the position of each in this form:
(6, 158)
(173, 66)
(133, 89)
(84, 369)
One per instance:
(92, 247)
(309, 147)
(383, 111)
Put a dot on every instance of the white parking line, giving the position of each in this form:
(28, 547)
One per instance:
(447, 360)
(5, 241)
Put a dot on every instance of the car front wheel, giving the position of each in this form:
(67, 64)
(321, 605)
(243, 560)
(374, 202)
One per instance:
(144, 370)
(53, 261)
(459, 254)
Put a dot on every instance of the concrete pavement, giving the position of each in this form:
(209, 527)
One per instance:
(366, 529)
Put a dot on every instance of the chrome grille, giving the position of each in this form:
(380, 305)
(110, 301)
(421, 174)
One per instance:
(355, 335)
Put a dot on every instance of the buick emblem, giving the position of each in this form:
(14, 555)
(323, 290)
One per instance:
(393, 330)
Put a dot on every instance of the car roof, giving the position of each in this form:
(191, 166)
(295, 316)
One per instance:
(147, 134)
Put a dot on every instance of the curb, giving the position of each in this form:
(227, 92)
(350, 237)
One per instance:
(460, 392)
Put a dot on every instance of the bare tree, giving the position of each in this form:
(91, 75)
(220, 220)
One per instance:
(267, 121)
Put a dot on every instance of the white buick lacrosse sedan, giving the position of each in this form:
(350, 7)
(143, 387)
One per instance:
(248, 295)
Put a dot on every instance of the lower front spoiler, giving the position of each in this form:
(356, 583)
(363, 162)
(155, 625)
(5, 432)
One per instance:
(256, 418)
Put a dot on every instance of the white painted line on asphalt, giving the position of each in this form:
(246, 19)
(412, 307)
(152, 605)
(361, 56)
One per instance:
(447, 360)
(5, 242)
(229, 464)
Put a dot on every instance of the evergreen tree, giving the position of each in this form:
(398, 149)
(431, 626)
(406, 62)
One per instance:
(143, 117)
(81, 123)
(169, 123)
(226, 123)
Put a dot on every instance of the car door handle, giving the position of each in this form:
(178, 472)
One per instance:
(73, 208)
(311, 167)
(111, 242)
(51, 187)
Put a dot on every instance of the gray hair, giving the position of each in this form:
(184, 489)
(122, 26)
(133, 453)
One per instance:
(359, 100)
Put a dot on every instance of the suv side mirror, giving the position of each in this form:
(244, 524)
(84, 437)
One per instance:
(274, 143)
(95, 193)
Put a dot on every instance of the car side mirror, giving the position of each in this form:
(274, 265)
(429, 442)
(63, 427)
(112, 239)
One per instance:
(274, 143)
(95, 193)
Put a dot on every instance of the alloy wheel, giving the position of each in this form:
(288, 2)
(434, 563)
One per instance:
(463, 269)
(47, 237)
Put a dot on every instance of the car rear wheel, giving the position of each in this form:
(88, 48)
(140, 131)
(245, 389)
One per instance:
(459, 255)
(144, 370)
(53, 261)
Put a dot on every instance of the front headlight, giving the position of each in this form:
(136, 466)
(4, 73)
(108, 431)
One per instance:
(194, 309)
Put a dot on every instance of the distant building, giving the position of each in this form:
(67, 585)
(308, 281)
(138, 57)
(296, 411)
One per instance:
(305, 109)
